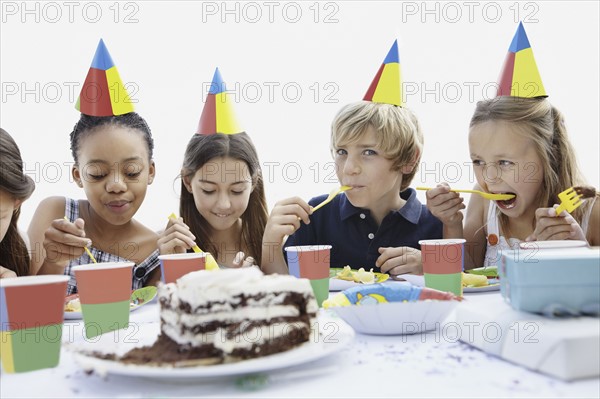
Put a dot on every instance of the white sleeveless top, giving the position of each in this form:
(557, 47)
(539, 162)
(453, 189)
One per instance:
(494, 251)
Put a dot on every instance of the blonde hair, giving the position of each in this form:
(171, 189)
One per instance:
(539, 121)
(398, 130)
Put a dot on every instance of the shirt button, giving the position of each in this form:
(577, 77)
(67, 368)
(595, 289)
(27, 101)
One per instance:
(362, 216)
(371, 236)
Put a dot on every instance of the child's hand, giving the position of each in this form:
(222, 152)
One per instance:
(285, 219)
(176, 239)
(445, 204)
(549, 226)
(6, 273)
(64, 241)
(241, 260)
(399, 260)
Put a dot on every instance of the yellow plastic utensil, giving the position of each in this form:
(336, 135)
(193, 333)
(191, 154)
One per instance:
(211, 263)
(490, 196)
(569, 201)
(86, 248)
(331, 196)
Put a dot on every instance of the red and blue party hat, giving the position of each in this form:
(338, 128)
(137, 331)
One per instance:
(218, 115)
(103, 92)
(387, 86)
(520, 76)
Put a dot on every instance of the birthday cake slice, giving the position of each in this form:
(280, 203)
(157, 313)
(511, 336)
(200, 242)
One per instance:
(210, 317)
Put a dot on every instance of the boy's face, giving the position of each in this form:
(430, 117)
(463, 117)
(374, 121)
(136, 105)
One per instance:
(363, 166)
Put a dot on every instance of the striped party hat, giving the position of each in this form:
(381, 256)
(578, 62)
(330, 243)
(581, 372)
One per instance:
(218, 115)
(387, 86)
(520, 76)
(103, 93)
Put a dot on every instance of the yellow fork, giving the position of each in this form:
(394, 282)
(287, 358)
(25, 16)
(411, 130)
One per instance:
(569, 201)
(331, 196)
(490, 196)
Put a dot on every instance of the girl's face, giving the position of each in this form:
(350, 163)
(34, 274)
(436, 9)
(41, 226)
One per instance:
(7, 208)
(221, 190)
(362, 166)
(114, 171)
(505, 161)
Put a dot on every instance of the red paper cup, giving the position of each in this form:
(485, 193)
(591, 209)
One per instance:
(31, 321)
(104, 292)
(311, 262)
(443, 263)
(176, 265)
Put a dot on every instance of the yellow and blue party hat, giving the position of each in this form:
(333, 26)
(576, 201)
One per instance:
(387, 86)
(103, 92)
(218, 115)
(520, 76)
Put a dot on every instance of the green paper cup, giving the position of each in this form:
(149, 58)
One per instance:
(31, 320)
(443, 263)
(105, 292)
(311, 262)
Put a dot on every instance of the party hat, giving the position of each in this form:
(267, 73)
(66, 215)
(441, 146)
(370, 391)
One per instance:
(103, 93)
(387, 86)
(520, 76)
(218, 115)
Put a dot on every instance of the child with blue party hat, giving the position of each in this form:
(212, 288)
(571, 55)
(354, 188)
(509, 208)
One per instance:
(112, 149)
(519, 145)
(377, 145)
(222, 205)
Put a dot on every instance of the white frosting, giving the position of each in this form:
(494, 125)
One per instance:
(219, 289)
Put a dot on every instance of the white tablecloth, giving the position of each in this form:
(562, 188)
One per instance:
(423, 365)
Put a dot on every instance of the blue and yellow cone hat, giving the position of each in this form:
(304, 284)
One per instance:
(103, 92)
(520, 76)
(386, 87)
(218, 115)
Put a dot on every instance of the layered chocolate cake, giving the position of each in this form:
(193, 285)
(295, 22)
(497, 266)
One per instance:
(219, 316)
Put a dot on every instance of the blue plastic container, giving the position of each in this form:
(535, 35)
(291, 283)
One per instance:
(552, 281)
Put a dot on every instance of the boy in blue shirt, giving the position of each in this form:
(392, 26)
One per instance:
(377, 146)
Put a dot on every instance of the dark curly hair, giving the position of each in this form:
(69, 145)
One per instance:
(88, 124)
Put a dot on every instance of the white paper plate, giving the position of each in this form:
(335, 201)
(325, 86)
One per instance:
(334, 335)
(556, 244)
(396, 318)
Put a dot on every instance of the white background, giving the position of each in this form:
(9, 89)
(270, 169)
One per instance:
(292, 65)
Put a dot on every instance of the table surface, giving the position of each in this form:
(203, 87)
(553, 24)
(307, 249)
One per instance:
(420, 365)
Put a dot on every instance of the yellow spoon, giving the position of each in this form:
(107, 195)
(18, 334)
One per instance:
(211, 263)
(331, 196)
(86, 248)
(490, 196)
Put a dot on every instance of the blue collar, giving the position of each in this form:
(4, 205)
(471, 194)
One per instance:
(411, 211)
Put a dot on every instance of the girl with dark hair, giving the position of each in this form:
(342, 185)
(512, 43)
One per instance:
(15, 187)
(112, 148)
(222, 194)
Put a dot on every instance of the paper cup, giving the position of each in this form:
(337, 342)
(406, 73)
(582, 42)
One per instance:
(176, 265)
(443, 263)
(31, 321)
(104, 292)
(311, 262)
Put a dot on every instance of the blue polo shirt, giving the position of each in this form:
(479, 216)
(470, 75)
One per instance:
(356, 238)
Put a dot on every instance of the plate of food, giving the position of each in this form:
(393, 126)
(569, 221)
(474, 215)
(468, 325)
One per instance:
(343, 278)
(139, 298)
(482, 279)
(106, 355)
